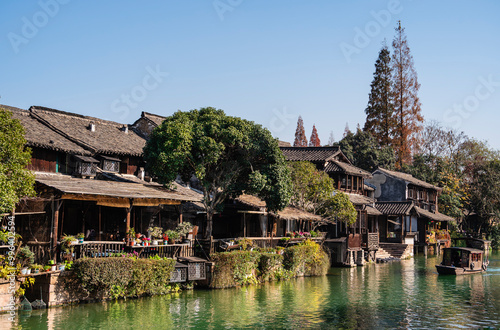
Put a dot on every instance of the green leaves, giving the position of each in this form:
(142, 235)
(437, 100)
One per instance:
(340, 208)
(228, 155)
(15, 179)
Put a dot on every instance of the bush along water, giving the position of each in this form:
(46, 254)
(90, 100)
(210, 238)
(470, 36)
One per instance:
(242, 267)
(119, 277)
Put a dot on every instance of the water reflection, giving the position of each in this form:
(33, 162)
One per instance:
(407, 294)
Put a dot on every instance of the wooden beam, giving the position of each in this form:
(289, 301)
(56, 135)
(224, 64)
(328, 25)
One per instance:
(99, 233)
(154, 202)
(58, 204)
(252, 212)
(127, 227)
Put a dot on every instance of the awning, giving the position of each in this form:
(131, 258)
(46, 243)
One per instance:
(116, 194)
(433, 216)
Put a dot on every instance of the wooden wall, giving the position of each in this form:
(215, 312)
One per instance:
(43, 160)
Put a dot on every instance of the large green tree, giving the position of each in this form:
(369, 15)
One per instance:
(228, 155)
(15, 180)
(380, 119)
(363, 150)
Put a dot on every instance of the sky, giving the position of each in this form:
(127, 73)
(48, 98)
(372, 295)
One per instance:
(266, 61)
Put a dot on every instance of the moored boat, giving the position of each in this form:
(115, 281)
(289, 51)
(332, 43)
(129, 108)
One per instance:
(462, 260)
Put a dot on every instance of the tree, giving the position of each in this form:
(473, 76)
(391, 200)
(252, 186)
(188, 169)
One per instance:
(314, 141)
(346, 130)
(380, 120)
(15, 179)
(311, 187)
(314, 191)
(340, 208)
(331, 139)
(405, 88)
(300, 134)
(228, 155)
(363, 150)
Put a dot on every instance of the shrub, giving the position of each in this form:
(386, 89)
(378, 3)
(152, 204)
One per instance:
(242, 267)
(269, 265)
(234, 268)
(307, 258)
(123, 277)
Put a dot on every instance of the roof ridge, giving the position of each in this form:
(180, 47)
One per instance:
(34, 108)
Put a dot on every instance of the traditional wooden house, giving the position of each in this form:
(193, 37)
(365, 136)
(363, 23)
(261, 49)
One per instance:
(90, 178)
(410, 209)
(350, 180)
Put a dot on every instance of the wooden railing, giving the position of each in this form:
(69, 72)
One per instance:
(41, 251)
(97, 249)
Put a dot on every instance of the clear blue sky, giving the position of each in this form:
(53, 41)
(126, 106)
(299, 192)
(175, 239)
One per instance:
(267, 61)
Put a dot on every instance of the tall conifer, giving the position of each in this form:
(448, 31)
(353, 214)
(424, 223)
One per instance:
(405, 88)
(314, 141)
(300, 134)
(380, 121)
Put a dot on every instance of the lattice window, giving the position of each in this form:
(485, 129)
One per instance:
(196, 271)
(179, 274)
(86, 169)
(111, 166)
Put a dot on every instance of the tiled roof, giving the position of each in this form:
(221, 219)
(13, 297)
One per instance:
(338, 166)
(311, 154)
(394, 208)
(39, 135)
(284, 144)
(70, 185)
(156, 119)
(288, 213)
(409, 178)
(433, 216)
(370, 210)
(357, 199)
(108, 138)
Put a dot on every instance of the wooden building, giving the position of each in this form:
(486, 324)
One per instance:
(410, 209)
(90, 178)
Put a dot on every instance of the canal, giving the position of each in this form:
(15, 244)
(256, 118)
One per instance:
(406, 294)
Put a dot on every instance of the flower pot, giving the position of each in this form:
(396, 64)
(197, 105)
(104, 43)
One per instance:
(53, 268)
(36, 271)
(155, 242)
(28, 271)
(24, 271)
(80, 240)
(131, 243)
(62, 267)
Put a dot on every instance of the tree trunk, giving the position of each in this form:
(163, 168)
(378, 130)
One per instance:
(208, 227)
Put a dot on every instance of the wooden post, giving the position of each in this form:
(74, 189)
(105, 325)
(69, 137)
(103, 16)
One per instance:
(244, 225)
(99, 233)
(58, 204)
(62, 221)
(180, 213)
(127, 227)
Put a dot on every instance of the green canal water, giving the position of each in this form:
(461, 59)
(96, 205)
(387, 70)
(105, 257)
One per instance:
(406, 294)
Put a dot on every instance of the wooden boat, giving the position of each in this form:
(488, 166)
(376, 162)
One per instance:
(462, 260)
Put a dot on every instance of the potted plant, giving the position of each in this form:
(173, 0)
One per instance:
(131, 236)
(36, 268)
(81, 237)
(172, 236)
(67, 242)
(184, 228)
(26, 257)
(156, 233)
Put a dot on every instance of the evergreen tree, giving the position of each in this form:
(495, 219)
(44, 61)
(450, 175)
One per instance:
(347, 130)
(380, 121)
(314, 141)
(300, 134)
(405, 88)
(331, 139)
